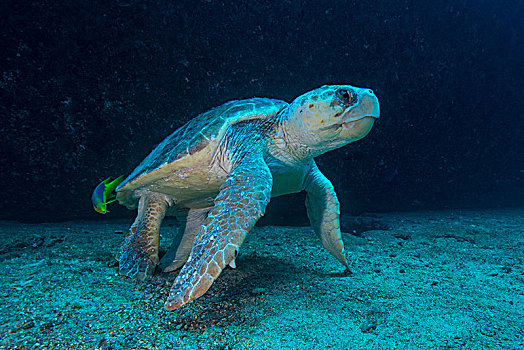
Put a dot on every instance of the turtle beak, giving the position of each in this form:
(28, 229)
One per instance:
(370, 101)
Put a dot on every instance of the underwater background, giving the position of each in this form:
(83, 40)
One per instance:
(88, 88)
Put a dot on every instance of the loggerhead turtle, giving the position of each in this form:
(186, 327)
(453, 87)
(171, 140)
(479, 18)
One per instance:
(218, 172)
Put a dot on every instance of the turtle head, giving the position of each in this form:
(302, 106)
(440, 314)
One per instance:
(330, 117)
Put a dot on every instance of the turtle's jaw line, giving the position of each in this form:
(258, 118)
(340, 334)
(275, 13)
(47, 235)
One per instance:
(345, 124)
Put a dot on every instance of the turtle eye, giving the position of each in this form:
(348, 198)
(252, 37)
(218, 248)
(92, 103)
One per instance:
(345, 97)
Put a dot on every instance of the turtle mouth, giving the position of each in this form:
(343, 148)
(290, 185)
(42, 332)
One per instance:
(346, 123)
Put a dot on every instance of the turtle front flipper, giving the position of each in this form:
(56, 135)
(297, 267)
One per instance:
(323, 210)
(138, 254)
(241, 202)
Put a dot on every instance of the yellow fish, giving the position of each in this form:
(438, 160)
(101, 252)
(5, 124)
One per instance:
(103, 194)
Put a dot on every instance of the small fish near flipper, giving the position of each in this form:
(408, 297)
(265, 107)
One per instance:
(103, 194)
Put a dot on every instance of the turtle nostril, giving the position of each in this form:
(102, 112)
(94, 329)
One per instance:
(370, 91)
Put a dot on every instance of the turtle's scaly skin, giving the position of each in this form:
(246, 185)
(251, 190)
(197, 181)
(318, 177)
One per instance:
(218, 172)
(141, 243)
(237, 208)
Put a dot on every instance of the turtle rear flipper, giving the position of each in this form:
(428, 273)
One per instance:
(138, 254)
(241, 202)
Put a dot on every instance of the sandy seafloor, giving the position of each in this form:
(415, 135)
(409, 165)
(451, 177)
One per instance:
(425, 280)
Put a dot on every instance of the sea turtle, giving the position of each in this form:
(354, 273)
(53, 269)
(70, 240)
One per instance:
(218, 172)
